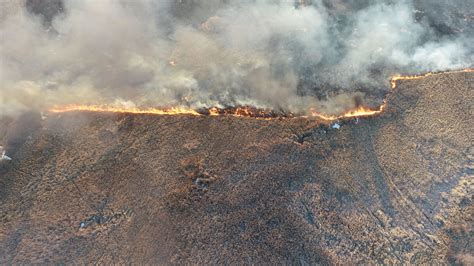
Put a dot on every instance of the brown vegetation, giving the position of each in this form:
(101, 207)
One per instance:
(103, 188)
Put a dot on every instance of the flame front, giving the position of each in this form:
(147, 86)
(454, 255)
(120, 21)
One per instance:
(214, 111)
(128, 110)
(396, 78)
(360, 111)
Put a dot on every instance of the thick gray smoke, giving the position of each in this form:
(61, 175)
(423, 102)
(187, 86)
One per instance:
(274, 54)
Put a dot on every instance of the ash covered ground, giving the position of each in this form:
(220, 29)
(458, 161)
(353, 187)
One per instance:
(116, 188)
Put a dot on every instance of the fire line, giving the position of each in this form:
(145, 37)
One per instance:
(360, 111)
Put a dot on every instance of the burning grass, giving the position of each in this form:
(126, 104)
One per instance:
(248, 111)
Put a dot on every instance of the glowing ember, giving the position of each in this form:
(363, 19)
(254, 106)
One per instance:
(360, 111)
(214, 111)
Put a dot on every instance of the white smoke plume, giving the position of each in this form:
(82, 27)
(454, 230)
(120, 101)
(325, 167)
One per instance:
(273, 54)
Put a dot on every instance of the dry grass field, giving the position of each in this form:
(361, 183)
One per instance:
(116, 188)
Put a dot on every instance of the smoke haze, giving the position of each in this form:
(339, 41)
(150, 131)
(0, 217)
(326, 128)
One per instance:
(270, 54)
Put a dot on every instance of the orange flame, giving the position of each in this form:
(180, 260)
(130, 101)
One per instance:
(360, 111)
(128, 110)
(214, 111)
(396, 78)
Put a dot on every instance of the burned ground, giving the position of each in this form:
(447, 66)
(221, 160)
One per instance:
(102, 188)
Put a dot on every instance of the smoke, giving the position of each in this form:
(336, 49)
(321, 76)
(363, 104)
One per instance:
(272, 54)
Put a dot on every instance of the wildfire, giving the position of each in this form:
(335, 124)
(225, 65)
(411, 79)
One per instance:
(246, 111)
(361, 111)
(214, 111)
(395, 79)
(133, 110)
